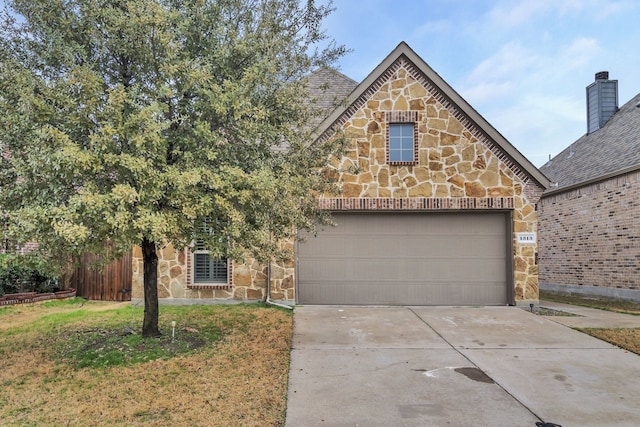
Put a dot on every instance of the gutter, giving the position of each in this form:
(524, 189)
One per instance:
(591, 181)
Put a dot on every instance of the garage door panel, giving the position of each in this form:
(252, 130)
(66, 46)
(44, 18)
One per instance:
(398, 259)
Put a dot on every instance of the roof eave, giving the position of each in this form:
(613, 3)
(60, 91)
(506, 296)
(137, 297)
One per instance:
(591, 181)
(491, 132)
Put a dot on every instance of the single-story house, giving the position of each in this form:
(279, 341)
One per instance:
(436, 207)
(590, 216)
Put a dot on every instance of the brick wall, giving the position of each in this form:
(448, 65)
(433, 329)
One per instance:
(591, 236)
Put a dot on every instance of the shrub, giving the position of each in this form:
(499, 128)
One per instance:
(20, 273)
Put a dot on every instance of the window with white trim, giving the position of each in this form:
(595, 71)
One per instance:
(401, 143)
(402, 137)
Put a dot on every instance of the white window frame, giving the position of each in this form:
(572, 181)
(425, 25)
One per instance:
(402, 118)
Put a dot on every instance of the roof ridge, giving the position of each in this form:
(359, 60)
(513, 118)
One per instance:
(608, 151)
(447, 96)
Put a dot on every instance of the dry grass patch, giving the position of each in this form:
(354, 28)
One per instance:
(627, 338)
(233, 372)
(617, 305)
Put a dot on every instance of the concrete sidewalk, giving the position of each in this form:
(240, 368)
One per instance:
(590, 317)
(454, 366)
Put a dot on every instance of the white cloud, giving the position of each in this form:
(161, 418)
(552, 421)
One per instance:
(580, 52)
(610, 8)
(512, 58)
(512, 14)
(538, 126)
(517, 70)
(597, 9)
(433, 27)
(486, 91)
(523, 92)
(523, 64)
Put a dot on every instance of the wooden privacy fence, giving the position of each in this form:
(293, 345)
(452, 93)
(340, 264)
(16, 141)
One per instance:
(113, 283)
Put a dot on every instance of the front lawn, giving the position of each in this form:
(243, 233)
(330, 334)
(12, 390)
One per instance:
(77, 363)
(627, 338)
(617, 305)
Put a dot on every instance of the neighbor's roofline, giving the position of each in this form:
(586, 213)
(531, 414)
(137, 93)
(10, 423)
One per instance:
(448, 91)
(601, 178)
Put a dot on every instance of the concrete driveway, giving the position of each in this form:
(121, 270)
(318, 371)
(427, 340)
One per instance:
(454, 366)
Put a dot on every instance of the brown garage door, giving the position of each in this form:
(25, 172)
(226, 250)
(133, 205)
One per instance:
(406, 259)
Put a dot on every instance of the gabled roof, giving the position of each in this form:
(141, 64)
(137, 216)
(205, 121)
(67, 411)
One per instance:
(328, 88)
(403, 51)
(611, 150)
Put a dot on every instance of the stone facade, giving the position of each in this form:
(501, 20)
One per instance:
(590, 237)
(247, 280)
(457, 167)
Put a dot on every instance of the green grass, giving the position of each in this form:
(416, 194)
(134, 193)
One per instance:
(68, 302)
(626, 338)
(97, 347)
(617, 305)
(75, 362)
(86, 338)
(117, 341)
(48, 322)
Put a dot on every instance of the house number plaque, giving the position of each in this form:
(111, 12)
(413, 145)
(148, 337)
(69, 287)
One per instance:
(526, 238)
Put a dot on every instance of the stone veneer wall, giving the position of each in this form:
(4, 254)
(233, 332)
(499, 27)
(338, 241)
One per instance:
(590, 236)
(458, 167)
(248, 279)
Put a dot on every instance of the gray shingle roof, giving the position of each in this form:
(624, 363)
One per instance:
(613, 148)
(328, 88)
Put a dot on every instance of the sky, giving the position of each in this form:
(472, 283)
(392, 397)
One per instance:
(522, 64)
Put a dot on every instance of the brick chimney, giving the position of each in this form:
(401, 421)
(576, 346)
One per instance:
(602, 101)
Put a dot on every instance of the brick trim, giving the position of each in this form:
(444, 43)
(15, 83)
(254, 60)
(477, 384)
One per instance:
(404, 62)
(207, 286)
(392, 117)
(401, 116)
(416, 203)
(29, 297)
(532, 192)
(195, 286)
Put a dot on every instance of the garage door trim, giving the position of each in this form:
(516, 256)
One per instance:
(506, 218)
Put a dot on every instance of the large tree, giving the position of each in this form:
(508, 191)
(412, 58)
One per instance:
(135, 122)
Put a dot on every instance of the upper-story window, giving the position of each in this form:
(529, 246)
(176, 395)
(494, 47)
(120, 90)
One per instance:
(402, 135)
(401, 144)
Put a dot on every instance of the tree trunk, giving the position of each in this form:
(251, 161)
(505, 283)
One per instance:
(150, 263)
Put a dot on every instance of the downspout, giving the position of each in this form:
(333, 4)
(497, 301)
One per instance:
(268, 299)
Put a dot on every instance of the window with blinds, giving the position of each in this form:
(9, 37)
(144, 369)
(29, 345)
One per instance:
(209, 270)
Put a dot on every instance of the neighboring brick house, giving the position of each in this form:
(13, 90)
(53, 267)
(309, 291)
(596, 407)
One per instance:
(436, 208)
(590, 217)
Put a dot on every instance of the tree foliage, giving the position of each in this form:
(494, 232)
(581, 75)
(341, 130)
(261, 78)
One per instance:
(129, 122)
(24, 273)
